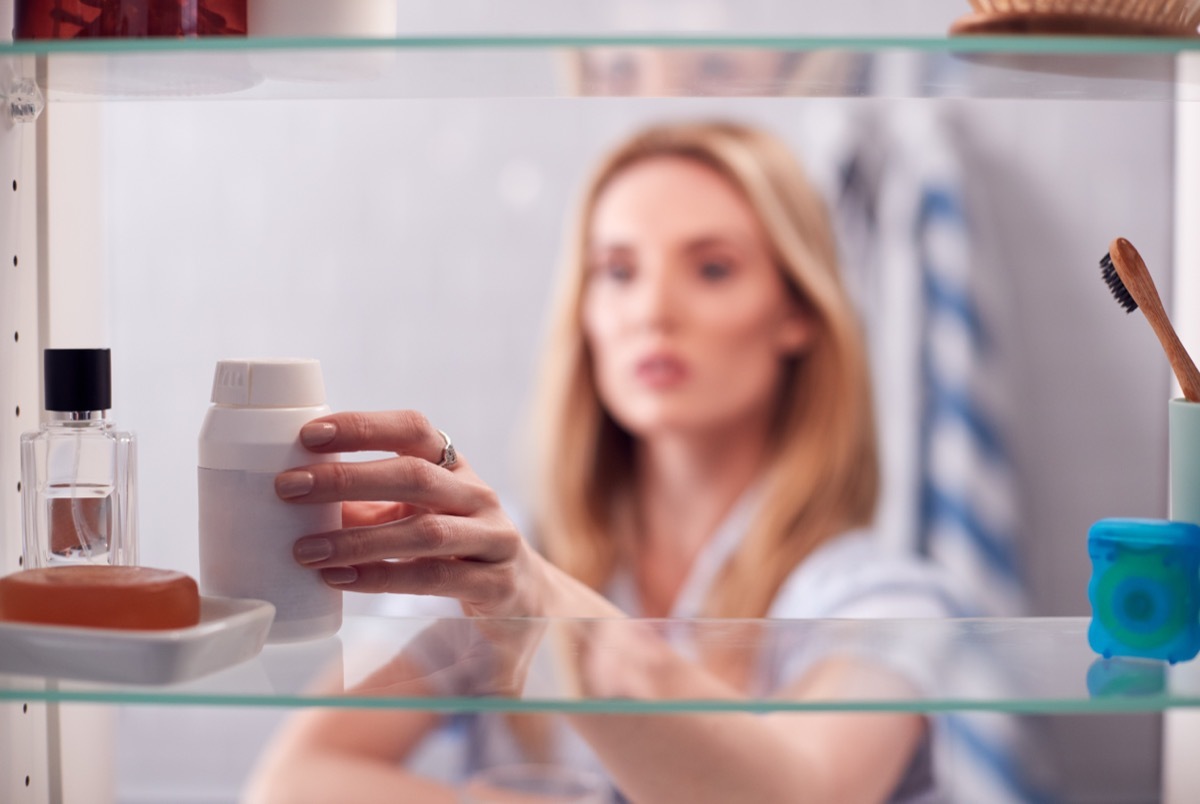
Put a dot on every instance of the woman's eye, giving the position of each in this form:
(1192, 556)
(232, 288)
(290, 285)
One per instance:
(715, 269)
(714, 66)
(615, 271)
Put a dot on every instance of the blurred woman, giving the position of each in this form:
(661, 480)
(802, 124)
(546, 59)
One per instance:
(707, 449)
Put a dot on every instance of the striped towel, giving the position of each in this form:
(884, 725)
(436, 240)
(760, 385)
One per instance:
(949, 483)
(967, 503)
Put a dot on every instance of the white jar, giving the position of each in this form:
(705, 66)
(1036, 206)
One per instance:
(250, 434)
(323, 19)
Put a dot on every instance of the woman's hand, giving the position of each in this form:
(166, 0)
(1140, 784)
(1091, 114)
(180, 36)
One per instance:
(409, 525)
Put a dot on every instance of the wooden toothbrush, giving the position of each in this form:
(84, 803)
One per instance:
(1129, 280)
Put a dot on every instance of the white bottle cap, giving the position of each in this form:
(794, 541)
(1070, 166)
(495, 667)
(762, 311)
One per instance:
(282, 383)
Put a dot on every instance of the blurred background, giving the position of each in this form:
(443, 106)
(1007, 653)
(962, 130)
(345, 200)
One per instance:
(411, 245)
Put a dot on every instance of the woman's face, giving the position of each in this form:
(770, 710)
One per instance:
(636, 71)
(688, 319)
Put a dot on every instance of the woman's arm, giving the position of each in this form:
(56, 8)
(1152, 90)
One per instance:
(444, 533)
(350, 756)
(325, 755)
(783, 756)
(355, 755)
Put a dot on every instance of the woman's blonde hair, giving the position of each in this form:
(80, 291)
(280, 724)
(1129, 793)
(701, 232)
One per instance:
(823, 475)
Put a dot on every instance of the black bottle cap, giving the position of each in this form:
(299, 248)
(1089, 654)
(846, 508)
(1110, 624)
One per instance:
(78, 379)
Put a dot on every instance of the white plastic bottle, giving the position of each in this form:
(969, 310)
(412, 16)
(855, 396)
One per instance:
(251, 434)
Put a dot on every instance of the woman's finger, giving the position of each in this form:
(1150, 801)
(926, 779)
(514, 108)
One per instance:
(405, 432)
(358, 513)
(404, 479)
(472, 582)
(418, 536)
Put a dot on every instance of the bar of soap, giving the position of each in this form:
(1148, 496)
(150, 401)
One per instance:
(99, 596)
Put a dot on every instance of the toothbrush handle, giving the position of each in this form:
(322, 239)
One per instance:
(1185, 370)
(1136, 277)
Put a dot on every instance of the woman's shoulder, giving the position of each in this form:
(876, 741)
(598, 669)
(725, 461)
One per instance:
(854, 575)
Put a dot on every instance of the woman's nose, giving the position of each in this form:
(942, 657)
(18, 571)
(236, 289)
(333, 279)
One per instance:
(657, 298)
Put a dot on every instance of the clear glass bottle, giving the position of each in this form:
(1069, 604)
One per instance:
(78, 472)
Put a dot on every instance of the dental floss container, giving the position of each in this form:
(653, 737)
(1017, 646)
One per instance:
(250, 434)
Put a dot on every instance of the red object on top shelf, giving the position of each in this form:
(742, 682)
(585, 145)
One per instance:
(83, 19)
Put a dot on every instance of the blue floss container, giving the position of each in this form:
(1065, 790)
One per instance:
(1124, 677)
(1145, 589)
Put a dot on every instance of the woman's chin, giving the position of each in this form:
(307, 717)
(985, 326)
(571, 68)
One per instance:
(663, 422)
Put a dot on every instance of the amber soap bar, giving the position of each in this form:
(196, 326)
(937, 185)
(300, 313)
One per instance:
(98, 596)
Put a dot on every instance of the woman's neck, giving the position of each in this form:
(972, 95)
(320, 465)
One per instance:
(687, 485)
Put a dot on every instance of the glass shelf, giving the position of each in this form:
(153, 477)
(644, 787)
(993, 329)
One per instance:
(1027, 666)
(535, 48)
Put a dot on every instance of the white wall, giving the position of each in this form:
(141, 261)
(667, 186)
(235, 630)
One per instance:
(1055, 183)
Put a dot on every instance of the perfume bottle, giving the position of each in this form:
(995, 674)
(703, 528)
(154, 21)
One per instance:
(78, 472)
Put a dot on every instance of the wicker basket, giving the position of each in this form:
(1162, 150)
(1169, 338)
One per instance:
(1095, 17)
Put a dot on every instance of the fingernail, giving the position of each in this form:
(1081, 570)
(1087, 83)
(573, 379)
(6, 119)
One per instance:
(308, 551)
(294, 484)
(317, 434)
(339, 575)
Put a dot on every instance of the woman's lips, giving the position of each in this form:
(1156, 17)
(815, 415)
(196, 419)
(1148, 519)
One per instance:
(661, 371)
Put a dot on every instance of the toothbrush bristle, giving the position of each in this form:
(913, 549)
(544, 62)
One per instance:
(1113, 280)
